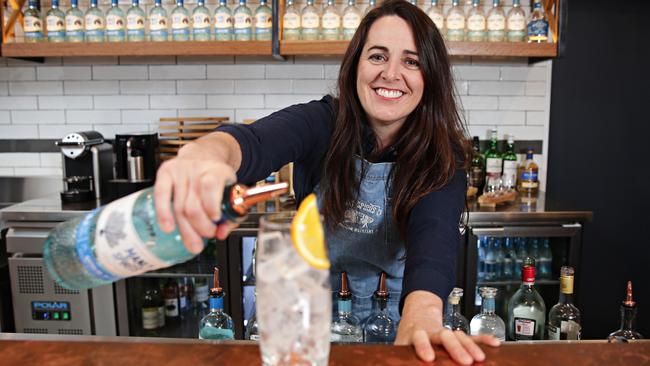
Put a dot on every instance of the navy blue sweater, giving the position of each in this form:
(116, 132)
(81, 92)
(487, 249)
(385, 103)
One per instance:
(301, 134)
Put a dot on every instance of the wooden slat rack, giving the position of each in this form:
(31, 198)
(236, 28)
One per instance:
(176, 132)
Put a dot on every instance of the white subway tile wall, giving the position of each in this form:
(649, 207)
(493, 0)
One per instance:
(126, 94)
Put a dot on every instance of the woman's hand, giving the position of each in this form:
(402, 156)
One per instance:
(189, 190)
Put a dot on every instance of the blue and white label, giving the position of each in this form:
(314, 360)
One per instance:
(538, 29)
(85, 252)
(216, 303)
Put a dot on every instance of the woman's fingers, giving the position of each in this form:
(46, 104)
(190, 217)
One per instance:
(449, 340)
(162, 193)
(422, 344)
(197, 216)
(224, 229)
(210, 189)
(487, 340)
(474, 351)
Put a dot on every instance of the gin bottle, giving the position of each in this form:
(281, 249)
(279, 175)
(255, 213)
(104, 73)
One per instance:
(291, 22)
(380, 327)
(243, 22)
(74, 23)
(158, 23)
(115, 23)
(263, 22)
(481, 248)
(201, 22)
(55, 23)
(217, 324)
(516, 23)
(455, 22)
(537, 24)
(371, 5)
(545, 260)
(123, 239)
(490, 261)
(223, 30)
(95, 23)
(346, 326)
(310, 22)
(476, 23)
(32, 23)
(628, 319)
(493, 164)
(564, 317)
(496, 23)
(509, 259)
(351, 20)
(180, 22)
(509, 176)
(526, 309)
(331, 22)
(135, 22)
(435, 13)
(488, 322)
(453, 318)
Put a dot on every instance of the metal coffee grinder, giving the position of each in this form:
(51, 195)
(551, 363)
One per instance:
(87, 166)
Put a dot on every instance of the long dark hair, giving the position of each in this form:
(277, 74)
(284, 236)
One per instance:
(432, 143)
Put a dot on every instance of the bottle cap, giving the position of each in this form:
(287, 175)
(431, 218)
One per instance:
(381, 291)
(345, 292)
(216, 289)
(628, 296)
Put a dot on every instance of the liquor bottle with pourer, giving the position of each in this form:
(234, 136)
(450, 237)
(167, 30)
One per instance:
(487, 321)
(123, 238)
(453, 318)
(380, 327)
(628, 319)
(217, 324)
(526, 309)
(345, 327)
(564, 317)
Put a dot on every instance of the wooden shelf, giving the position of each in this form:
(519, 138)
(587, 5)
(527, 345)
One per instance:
(488, 49)
(210, 48)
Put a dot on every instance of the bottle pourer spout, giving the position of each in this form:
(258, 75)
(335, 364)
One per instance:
(628, 297)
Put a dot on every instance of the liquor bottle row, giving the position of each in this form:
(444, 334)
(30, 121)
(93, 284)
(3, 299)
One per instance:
(501, 259)
(116, 25)
(493, 170)
(526, 312)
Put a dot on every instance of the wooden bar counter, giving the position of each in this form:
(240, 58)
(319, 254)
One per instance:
(34, 349)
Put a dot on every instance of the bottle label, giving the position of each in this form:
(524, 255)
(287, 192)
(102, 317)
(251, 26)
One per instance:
(496, 22)
(553, 333)
(263, 21)
(94, 22)
(331, 21)
(200, 21)
(438, 20)
(538, 30)
(529, 176)
(222, 20)
(570, 330)
(493, 165)
(255, 337)
(161, 316)
(476, 23)
(201, 293)
(217, 333)
(85, 252)
(566, 285)
(55, 24)
(524, 329)
(310, 20)
(183, 302)
(455, 21)
(171, 307)
(135, 22)
(291, 21)
(243, 21)
(516, 22)
(150, 318)
(351, 20)
(157, 22)
(118, 246)
(114, 22)
(74, 23)
(32, 24)
(180, 21)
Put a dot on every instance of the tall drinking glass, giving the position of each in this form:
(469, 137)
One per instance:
(294, 303)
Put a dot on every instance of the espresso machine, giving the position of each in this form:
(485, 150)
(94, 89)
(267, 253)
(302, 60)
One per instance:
(87, 166)
(136, 162)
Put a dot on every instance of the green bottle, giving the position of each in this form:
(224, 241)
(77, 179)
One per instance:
(493, 165)
(509, 176)
(477, 167)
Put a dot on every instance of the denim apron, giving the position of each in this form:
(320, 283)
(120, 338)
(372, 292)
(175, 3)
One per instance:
(367, 243)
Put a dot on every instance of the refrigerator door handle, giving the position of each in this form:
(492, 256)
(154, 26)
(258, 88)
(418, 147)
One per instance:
(488, 231)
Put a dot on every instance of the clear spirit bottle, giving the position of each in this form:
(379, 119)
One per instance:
(522, 253)
(516, 23)
(509, 259)
(564, 317)
(55, 23)
(526, 309)
(217, 324)
(115, 23)
(252, 328)
(74, 23)
(477, 166)
(135, 22)
(509, 176)
(95, 23)
(490, 261)
(628, 319)
(476, 23)
(346, 326)
(223, 27)
(200, 297)
(496, 23)
(158, 23)
(435, 13)
(538, 24)
(500, 256)
(310, 22)
(243, 22)
(371, 5)
(351, 20)
(487, 321)
(545, 260)
(180, 22)
(493, 164)
(380, 327)
(453, 318)
(291, 22)
(529, 176)
(455, 22)
(201, 22)
(481, 248)
(32, 23)
(331, 22)
(263, 22)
